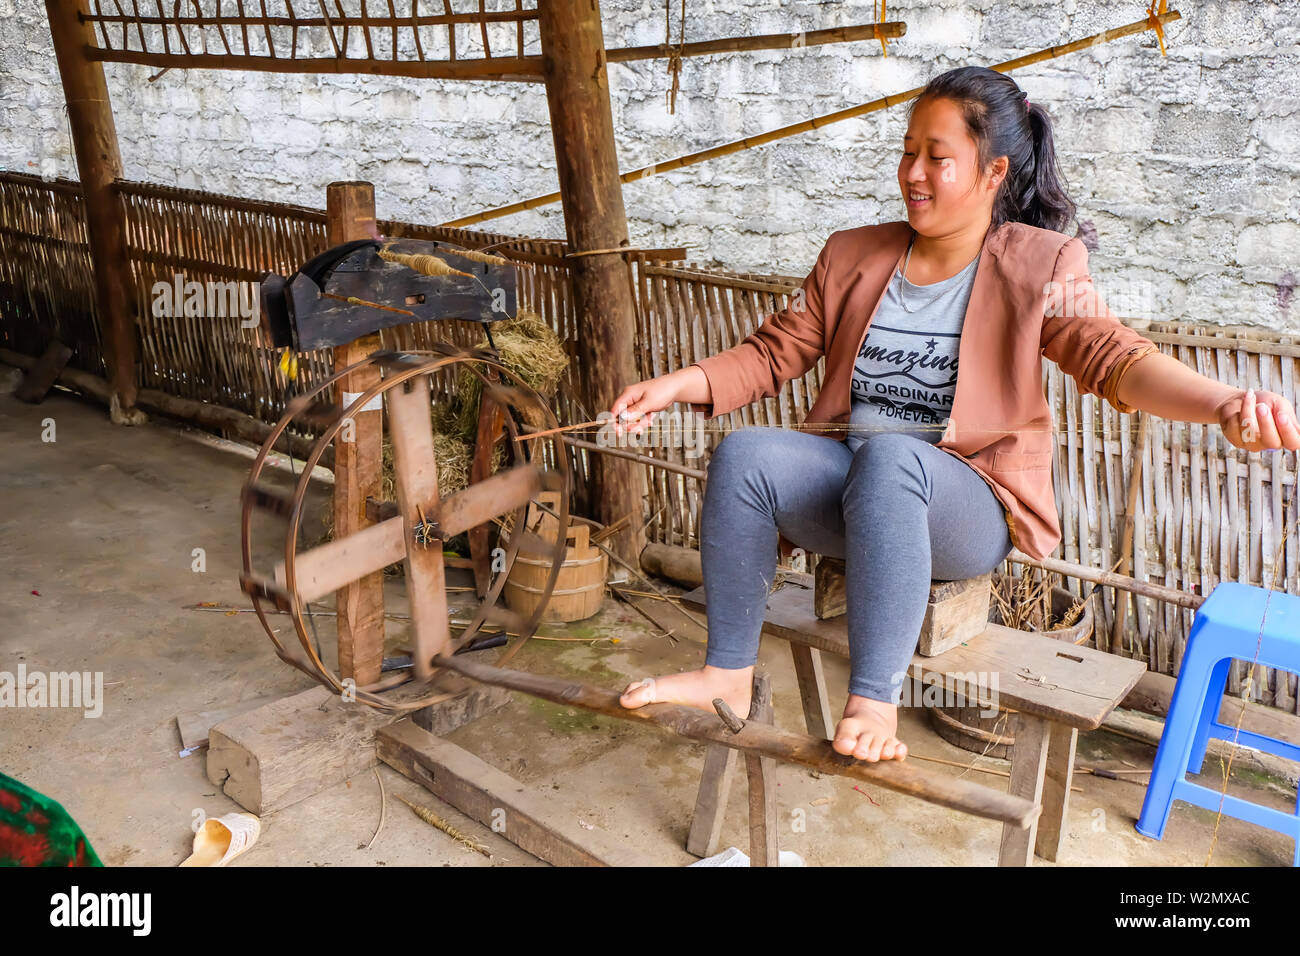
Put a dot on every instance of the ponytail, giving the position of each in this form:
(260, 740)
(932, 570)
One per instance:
(1003, 122)
(1042, 201)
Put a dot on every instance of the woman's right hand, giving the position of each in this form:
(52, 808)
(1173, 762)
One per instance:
(639, 402)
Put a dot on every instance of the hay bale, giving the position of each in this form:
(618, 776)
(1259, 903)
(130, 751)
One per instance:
(530, 349)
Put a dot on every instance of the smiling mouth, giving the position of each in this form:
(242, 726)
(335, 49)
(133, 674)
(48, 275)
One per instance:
(918, 197)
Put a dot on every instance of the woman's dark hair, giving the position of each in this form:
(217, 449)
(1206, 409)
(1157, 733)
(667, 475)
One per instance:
(1001, 120)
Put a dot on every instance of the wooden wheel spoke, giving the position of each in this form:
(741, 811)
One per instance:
(416, 471)
(512, 621)
(507, 395)
(484, 500)
(325, 569)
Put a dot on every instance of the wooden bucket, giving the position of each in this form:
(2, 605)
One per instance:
(969, 728)
(579, 587)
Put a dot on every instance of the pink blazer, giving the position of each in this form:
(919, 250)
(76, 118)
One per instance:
(1032, 297)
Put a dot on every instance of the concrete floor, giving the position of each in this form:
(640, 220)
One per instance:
(103, 523)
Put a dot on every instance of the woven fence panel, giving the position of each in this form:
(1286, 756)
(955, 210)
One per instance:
(46, 283)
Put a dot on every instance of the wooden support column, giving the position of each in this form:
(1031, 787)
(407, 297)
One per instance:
(94, 140)
(582, 124)
(358, 463)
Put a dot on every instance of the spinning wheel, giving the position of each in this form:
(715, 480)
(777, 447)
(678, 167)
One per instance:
(412, 529)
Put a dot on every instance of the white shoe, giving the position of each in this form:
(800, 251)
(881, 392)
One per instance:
(223, 838)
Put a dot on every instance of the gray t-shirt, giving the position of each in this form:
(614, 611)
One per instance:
(906, 371)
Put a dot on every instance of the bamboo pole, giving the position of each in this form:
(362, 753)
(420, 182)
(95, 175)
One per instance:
(766, 41)
(1127, 535)
(1068, 568)
(749, 142)
(761, 738)
(99, 163)
(636, 456)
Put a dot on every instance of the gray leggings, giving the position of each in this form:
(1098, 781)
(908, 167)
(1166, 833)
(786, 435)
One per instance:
(911, 511)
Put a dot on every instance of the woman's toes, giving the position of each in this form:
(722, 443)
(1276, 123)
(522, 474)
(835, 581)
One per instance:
(868, 747)
(844, 742)
(637, 694)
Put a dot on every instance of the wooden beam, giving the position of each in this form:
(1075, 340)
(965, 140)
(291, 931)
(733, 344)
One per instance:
(539, 825)
(756, 737)
(517, 69)
(99, 163)
(501, 69)
(582, 125)
(358, 457)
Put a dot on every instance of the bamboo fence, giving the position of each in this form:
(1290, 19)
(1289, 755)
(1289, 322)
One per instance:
(1205, 511)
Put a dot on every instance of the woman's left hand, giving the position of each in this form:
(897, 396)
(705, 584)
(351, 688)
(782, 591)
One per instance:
(1259, 421)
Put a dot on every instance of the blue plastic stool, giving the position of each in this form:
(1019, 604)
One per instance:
(1227, 626)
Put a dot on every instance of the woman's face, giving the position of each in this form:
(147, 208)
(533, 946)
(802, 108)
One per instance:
(942, 188)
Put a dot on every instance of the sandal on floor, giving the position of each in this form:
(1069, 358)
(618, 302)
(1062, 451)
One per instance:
(223, 838)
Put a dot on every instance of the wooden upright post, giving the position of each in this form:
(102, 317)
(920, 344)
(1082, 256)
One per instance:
(358, 463)
(582, 124)
(94, 139)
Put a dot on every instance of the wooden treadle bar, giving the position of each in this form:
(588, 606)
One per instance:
(765, 739)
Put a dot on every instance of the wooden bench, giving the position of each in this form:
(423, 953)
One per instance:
(1055, 689)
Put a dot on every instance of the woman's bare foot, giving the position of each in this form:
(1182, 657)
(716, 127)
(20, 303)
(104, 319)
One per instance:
(695, 689)
(867, 730)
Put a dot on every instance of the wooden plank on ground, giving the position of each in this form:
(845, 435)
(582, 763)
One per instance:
(540, 825)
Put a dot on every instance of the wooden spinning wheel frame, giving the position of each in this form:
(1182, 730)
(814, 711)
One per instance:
(424, 519)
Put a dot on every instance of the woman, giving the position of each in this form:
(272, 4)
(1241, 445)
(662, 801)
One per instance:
(935, 476)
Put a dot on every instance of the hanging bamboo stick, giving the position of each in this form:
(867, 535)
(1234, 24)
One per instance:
(884, 102)
(767, 41)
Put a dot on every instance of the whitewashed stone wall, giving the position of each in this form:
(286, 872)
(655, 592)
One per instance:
(1186, 168)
